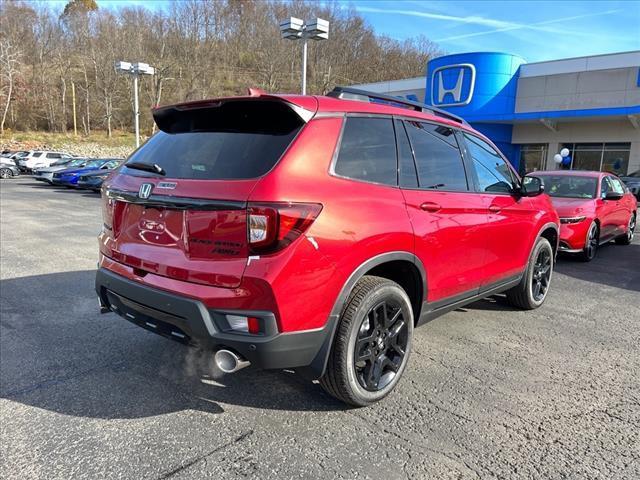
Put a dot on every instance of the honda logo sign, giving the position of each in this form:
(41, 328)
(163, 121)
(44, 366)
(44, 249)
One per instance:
(145, 190)
(453, 85)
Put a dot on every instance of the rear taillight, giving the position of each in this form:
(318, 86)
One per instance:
(273, 226)
(107, 212)
(241, 323)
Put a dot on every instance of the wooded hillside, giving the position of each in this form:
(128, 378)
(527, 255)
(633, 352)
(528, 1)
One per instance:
(199, 48)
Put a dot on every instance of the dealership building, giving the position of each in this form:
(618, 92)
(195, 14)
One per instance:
(589, 105)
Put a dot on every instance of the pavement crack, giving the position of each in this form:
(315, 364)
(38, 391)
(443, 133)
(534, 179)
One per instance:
(204, 456)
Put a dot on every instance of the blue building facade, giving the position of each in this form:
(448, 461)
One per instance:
(479, 87)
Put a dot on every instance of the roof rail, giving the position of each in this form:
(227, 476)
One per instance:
(348, 93)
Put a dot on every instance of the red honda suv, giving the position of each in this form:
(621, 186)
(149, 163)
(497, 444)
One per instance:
(315, 232)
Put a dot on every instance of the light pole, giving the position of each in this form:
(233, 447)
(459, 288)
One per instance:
(295, 29)
(135, 69)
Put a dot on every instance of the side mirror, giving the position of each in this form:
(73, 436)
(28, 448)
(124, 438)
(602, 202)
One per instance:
(531, 186)
(613, 196)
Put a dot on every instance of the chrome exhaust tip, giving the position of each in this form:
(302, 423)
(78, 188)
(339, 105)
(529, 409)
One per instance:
(229, 362)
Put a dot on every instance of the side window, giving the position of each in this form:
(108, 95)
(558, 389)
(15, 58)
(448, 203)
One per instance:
(617, 185)
(53, 155)
(494, 175)
(408, 175)
(36, 154)
(368, 151)
(438, 158)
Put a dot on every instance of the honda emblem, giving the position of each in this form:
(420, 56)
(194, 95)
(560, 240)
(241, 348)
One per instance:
(145, 190)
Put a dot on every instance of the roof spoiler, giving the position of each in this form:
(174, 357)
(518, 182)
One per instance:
(348, 93)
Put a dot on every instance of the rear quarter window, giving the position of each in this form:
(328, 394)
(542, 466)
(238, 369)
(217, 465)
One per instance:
(368, 151)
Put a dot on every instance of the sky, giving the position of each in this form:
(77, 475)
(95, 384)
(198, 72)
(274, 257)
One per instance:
(535, 30)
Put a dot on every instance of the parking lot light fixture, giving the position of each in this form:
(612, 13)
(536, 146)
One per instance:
(297, 29)
(135, 70)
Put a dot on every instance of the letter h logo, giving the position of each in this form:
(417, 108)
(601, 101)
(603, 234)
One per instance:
(453, 85)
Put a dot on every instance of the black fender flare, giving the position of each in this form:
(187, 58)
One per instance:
(317, 367)
(544, 227)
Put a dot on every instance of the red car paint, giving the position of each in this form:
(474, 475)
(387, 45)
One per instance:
(611, 216)
(463, 240)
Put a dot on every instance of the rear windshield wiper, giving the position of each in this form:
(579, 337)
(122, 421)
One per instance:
(147, 167)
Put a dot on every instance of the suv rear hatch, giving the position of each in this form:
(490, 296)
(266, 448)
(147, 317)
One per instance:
(178, 206)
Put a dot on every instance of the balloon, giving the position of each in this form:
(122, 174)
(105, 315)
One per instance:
(557, 158)
(566, 161)
(564, 152)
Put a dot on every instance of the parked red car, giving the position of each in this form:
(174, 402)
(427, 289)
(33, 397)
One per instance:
(314, 233)
(594, 208)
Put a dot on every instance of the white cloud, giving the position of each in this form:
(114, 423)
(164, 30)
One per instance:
(496, 25)
(541, 26)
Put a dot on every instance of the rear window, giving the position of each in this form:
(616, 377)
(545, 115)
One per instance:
(438, 157)
(233, 141)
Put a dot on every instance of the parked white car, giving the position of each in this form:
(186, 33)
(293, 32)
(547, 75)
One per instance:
(40, 158)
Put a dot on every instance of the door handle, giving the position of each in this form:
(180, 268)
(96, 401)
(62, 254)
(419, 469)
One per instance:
(494, 209)
(430, 207)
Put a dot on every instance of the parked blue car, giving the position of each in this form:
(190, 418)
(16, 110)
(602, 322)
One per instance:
(70, 176)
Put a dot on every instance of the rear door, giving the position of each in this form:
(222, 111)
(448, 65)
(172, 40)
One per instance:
(448, 219)
(178, 206)
(606, 210)
(620, 212)
(511, 219)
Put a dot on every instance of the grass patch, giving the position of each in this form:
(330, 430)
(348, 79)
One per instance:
(58, 140)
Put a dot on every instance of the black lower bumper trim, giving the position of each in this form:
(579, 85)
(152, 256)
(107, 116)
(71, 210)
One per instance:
(188, 321)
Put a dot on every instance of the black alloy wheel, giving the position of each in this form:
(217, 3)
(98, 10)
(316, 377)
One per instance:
(541, 275)
(627, 238)
(632, 228)
(380, 346)
(372, 343)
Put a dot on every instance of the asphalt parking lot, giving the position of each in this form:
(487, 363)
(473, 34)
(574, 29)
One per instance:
(490, 392)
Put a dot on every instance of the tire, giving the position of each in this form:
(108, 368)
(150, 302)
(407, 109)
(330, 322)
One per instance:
(591, 243)
(532, 290)
(5, 173)
(627, 238)
(377, 324)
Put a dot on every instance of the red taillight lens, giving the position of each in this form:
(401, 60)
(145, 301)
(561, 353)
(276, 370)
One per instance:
(253, 325)
(273, 226)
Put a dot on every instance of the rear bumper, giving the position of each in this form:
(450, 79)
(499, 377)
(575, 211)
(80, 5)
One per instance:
(189, 321)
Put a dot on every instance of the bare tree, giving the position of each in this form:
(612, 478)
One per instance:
(9, 61)
(200, 48)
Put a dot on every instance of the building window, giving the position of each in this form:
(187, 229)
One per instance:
(607, 157)
(533, 157)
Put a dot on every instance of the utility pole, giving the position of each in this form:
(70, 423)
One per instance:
(73, 102)
(136, 113)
